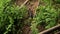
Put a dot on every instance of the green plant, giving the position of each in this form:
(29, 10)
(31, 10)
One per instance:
(12, 18)
(8, 13)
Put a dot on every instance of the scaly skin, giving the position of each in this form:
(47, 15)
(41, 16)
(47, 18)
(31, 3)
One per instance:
(33, 4)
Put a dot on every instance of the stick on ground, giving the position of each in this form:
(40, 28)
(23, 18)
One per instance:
(51, 29)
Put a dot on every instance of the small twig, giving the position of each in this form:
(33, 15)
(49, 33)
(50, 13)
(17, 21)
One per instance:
(50, 30)
(24, 3)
